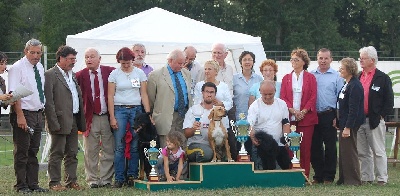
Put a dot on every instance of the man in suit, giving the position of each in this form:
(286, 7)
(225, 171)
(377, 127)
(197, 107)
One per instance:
(27, 112)
(98, 138)
(378, 102)
(169, 94)
(64, 117)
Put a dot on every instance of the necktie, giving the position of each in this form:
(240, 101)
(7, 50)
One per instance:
(181, 101)
(39, 84)
(96, 99)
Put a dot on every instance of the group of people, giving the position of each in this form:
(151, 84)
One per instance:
(102, 102)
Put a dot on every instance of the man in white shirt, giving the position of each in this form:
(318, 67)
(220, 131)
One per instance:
(26, 114)
(270, 115)
(193, 66)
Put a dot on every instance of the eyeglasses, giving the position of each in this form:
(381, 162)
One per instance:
(71, 59)
(209, 92)
(251, 60)
(294, 60)
(363, 59)
(268, 70)
(34, 52)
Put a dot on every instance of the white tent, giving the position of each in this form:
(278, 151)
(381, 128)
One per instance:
(161, 32)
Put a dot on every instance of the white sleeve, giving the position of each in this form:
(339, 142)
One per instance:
(253, 113)
(226, 96)
(14, 77)
(189, 119)
(197, 98)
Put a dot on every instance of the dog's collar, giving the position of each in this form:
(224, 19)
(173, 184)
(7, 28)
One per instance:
(217, 120)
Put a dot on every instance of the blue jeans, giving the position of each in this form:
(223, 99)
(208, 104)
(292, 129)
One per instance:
(123, 116)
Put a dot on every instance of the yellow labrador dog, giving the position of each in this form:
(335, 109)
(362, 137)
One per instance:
(217, 134)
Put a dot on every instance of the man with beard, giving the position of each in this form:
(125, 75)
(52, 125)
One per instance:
(64, 117)
(27, 112)
(139, 52)
(199, 149)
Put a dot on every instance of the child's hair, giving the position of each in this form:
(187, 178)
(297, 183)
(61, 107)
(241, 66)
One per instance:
(176, 138)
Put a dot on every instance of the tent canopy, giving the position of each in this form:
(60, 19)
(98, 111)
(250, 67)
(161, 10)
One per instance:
(161, 32)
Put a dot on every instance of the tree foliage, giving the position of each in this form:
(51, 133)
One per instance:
(282, 24)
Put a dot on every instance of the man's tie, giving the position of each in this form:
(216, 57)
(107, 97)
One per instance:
(96, 99)
(39, 84)
(181, 101)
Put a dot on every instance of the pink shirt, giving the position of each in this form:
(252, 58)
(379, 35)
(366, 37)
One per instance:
(366, 79)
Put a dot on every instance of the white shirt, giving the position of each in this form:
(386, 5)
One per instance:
(195, 72)
(72, 88)
(223, 94)
(268, 118)
(22, 73)
(195, 111)
(102, 96)
(297, 85)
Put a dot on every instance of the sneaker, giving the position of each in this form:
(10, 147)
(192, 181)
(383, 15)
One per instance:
(74, 185)
(107, 185)
(117, 184)
(24, 190)
(93, 186)
(39, 190)
(58, 187)
(381, 183)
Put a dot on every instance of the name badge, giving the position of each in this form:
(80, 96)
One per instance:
(205, 125)
(296, 89)
(341, 95)
(135, 83)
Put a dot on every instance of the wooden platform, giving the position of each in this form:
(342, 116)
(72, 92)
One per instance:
(229, 175)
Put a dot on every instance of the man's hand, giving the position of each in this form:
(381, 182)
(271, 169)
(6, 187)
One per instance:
(253, 138)
(21, 121)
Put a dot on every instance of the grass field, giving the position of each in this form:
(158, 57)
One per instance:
(7, 181)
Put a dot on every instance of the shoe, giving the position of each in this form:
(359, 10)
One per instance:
(93, 186)
(381, 183)
(366, 182)
(24, 190)
(107, 185)
(131, 180)
(117, 184)
(316, 181)
(58, 187)
(39, 190)
(75, 186)
(327, 182)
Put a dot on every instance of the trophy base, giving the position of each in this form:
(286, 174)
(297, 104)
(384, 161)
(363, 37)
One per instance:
(296, 166)
(153, 179)
(243, 158)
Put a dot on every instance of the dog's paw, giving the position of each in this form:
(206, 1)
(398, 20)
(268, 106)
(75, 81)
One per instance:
(231, 160)
(218, 160)
(214, 160)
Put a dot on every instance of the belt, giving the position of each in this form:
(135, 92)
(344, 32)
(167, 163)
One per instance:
(128, 106)
(326, 111)
(40, 110)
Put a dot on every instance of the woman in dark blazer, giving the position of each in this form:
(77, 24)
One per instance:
(351, 117)
(299, 91)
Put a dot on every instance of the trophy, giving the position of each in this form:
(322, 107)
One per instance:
(241, 130)
(152, 155)
(294, 140)
(197, 119)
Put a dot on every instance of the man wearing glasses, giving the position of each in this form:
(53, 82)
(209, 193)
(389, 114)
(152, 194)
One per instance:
(26, 117)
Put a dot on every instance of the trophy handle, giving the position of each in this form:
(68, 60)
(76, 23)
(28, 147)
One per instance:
(145, 153)
(233, 127)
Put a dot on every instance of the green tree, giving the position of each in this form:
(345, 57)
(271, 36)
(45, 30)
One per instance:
(9, 19)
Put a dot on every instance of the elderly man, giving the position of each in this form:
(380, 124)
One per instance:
(169, 94)
(139, 52)
(329, 84)
(270, 115)
(199, 149)
(64, 117)
(193, 66)
(378, 103)
(27, 113)
(98, 138)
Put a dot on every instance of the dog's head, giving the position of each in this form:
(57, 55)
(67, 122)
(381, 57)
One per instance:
(141, 120)
(217, 113)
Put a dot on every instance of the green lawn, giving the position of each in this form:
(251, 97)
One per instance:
(7, 181)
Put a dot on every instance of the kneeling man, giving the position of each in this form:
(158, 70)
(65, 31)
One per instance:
(269, 115)
(199, 149)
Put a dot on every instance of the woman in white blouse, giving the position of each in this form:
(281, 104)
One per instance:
(223, 96)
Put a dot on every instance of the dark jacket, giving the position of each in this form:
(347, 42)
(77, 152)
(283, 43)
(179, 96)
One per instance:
(351, 105)
(380, 98)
